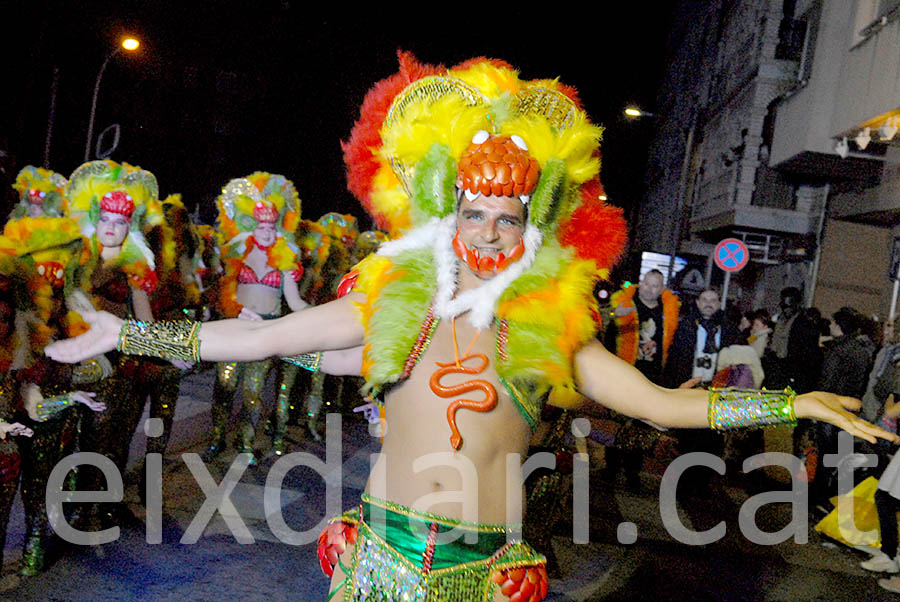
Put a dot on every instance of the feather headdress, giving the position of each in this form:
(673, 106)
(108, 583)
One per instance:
(243, 204)
(39, 186)
(403, 163)
(96, 181)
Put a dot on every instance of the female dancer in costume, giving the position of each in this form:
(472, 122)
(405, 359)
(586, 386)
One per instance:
(114, 205)
(41, 192)
(10, 459)
(48, 256)
(261, 270)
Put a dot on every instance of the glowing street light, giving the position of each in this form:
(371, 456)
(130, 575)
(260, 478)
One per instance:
(130, 44)
(636, 112)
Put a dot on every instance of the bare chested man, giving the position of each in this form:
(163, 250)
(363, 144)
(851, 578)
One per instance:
(468, 327)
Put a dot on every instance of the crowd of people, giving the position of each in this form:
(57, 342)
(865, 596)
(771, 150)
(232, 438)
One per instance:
(696, 343)
(488, 186)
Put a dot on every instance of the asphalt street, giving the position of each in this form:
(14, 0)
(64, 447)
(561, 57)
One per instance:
(218, 568)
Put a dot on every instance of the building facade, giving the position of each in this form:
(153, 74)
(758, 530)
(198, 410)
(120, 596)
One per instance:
(758, 121)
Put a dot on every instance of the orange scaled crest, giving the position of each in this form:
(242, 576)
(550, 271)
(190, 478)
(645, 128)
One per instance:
(497, 166)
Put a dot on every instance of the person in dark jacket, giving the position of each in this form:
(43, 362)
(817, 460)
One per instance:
(694, 354)
(704, 323)
(794, 358)
(845, 371)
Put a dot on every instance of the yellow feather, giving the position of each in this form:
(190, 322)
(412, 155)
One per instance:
(492, 81)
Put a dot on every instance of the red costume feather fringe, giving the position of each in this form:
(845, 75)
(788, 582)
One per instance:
(595, 230)
(365, 138)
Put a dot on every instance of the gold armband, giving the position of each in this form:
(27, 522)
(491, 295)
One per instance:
(307, 361)
(171, 340)
(741, 408)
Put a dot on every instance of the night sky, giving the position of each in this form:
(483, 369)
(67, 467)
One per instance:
(221, 89)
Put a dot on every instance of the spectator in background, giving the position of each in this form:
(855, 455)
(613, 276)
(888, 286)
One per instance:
(849, 358)
(700, 335)
(760, 329)
(887, 357)
(844, 372)
(645, 318)
(794, 357)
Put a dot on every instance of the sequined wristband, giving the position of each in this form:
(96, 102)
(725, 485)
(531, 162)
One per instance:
(171, 340)
(742, 408)
(307, 361)
(52, 406)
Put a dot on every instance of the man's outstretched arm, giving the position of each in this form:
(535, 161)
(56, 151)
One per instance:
(334, 325)
(614, 383)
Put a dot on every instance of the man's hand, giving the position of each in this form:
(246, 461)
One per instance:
(15, 428)
(100, 338)
(838, 410)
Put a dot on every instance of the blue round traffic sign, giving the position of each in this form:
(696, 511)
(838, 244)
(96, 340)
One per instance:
(731, 255)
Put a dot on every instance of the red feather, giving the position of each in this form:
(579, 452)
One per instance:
(365, 138)
(596, 230)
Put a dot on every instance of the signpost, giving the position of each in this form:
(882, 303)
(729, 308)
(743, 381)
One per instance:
(731, 255)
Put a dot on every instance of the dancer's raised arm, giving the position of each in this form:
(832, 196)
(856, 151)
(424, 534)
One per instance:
(334, 325)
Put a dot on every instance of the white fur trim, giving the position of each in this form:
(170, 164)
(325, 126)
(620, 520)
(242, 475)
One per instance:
(481, 302)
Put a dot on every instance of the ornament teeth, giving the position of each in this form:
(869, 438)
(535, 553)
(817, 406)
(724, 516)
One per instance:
(41, 270)
(471, 196)
(525, 198)
(517, 140)
(480, 137)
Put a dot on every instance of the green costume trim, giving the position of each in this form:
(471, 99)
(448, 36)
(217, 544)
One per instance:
(393, 559)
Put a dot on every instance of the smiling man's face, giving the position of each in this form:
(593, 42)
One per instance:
(491, 227)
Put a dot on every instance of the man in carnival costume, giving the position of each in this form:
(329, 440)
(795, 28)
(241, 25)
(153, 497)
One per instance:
(262, 269)
(492, 179)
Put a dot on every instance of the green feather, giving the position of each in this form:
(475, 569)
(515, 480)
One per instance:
(433, 185)
(548, 196)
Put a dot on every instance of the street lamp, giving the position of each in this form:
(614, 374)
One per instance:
(636, 112)
(130, 44)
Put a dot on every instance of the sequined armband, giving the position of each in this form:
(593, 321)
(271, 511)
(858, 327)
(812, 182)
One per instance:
(172, 340)
(307, 361)
(52, 406)
(740, 408)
